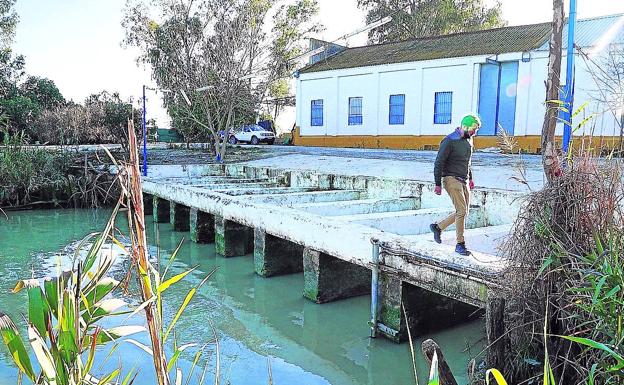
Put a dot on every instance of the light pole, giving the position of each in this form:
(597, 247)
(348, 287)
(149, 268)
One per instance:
(145, 88)
(569, 87)
(144, 135)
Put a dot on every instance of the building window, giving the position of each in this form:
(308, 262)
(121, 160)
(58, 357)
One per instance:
(397, 109)
(316, 118)
(355, 111)
(443, 108)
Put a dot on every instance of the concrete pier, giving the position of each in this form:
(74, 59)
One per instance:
(161, 210)
(323, 223)
(148, 204)
(232, 239)
(327, 278)
(202, 226)
(179, 217)
(427, 312)
(276, 256)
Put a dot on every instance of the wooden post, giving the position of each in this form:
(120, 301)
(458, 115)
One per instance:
(446, 376)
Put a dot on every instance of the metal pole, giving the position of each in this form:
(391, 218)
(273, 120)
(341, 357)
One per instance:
(374, 288)
(569, 87)
(144, 136)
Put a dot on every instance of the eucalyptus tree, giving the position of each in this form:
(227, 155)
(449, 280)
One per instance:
(421, 18)
(217, 59)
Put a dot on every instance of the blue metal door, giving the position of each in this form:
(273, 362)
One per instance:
(488, 98)
(507, 97)
(497, 97)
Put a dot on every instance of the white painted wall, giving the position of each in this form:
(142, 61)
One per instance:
(419, 81)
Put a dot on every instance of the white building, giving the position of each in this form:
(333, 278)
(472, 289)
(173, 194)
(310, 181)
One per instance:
(411, 94)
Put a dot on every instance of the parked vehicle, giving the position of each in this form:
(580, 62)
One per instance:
(253, 134)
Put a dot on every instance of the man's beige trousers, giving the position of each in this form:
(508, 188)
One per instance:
(460, 195)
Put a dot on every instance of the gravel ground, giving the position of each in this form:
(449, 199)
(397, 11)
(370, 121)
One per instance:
(246, 153)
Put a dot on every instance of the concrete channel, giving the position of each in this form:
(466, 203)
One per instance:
(323, 225)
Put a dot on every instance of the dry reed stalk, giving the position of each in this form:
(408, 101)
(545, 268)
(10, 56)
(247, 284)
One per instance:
(136, 225)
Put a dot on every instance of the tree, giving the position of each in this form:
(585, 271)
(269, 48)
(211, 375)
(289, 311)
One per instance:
(8, 22)
(216, 57)
(21, 112)
(42, 91)
(553, 85)
(109, 115)
(421, 18)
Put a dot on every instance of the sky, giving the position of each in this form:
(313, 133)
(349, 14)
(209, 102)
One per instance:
(77, 43)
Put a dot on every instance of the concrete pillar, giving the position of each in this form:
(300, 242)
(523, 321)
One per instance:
(327, 278)
(427, 312)
(276, 256)
(232, 239)
(148, 204)
(179, 217)
(161, 210)
(202, 226)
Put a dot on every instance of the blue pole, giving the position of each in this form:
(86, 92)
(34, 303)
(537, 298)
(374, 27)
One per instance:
(144, 136)
(374, 289)
(569, 87)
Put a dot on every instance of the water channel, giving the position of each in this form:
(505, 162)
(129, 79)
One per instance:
(258, 322)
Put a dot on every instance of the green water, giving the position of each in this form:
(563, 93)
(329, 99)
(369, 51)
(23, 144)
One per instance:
(257, 320)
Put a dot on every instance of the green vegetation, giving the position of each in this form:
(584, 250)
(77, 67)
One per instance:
(566, 277)
(34, 109)
(38, 177)
(414, 19)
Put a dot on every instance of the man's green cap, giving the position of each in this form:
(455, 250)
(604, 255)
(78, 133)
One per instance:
(471, 121)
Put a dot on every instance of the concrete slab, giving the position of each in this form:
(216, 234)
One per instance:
(411, 221)
(207, 180)
(288, 199)
(363, 206)
(483, 239)
(252, 190)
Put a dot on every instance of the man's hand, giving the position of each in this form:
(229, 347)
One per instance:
(438, 190)
(471, 184)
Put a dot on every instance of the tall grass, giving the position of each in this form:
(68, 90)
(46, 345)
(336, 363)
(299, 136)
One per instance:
(35, 177)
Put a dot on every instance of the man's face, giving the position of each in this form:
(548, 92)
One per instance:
(469, 132)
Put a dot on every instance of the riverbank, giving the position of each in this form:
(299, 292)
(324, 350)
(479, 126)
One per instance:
(78, 176)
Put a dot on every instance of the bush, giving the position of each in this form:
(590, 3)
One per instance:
(566, 273)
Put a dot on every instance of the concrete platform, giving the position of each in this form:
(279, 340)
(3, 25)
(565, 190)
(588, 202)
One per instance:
(323, 224)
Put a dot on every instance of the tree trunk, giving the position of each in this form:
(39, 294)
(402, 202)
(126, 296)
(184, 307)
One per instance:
(553, 84)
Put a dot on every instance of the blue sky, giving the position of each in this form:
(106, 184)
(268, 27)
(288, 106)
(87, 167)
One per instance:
(77, 43)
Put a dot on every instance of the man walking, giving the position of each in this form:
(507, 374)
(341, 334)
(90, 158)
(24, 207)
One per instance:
(452, 170)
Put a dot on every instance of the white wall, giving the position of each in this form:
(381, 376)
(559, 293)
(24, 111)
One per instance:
(419, 81)
(398, 82)
(457, 79)
(361, 85)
